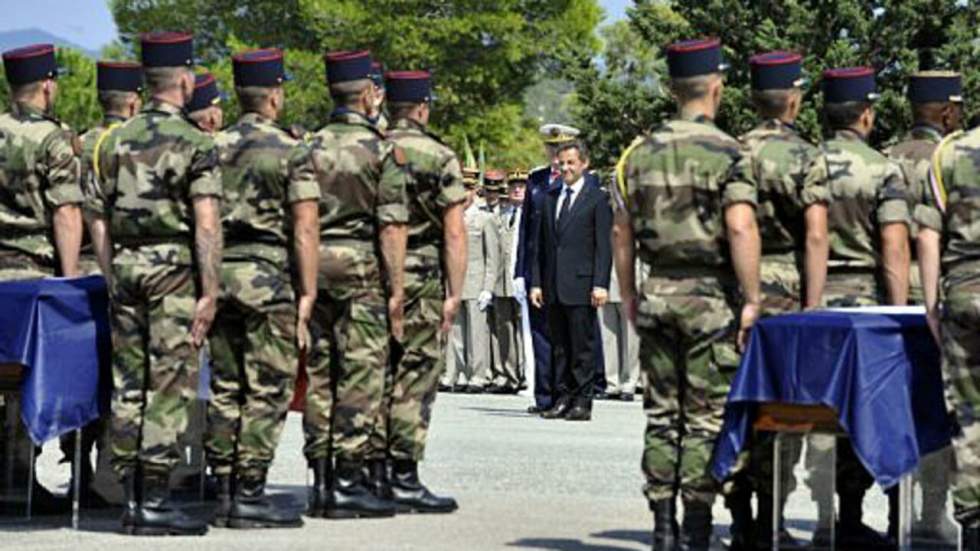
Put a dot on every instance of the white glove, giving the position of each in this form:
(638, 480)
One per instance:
(483, 301)
(520, 291)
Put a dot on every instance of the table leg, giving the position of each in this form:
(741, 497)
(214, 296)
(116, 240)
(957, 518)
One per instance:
(777, 490)
(30, 483)
(76, 469)
(905, 513)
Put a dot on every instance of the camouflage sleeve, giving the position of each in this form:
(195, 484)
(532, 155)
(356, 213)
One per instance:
(451, 185)
(61, 170)
(815, 188)
(892, 200)
(302, 184)
(929, 210)
(624, 177)
(741, 185)
(204, 174)
(392, 203)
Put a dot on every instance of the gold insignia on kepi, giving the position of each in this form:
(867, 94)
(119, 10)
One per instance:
(517, 176)
(555, 134)
(471, 177)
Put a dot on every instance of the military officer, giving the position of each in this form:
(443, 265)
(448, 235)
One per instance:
(791, 178)
(701, 255)
(937, 111)
(506, 341)
(494, 187)
(360, 289)
(40, 216)
(469, 353)
(259, 329)
(161, 191)
(868, 219)
(433, 288)
(204, 108)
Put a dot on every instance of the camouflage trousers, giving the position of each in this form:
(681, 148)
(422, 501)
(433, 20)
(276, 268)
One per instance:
(410, 392)
(687, 353)
(154, 364)
(254, 365)
(961, 364)
(346, 369)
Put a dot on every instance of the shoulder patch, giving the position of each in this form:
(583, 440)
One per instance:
(399, 155)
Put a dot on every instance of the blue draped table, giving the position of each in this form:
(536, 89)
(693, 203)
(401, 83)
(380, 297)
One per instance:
(59, 330)
(878, 368)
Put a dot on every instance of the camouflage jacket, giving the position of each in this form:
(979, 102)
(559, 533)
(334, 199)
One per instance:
(362, 179)
(436, 184)
(39, 172)
(151, 167)
(952, 203)
(675, 184)
(90, 139)
(256, 189)
(914, 154)
(867, 191)
(790, 174)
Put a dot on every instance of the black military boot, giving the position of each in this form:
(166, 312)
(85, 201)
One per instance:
(742, 529)
(853, 533)
(322, 487)
(351, 497)
(131, 497)
(226, 492)
(377, 479)
(411, 496)
(664, 525)
(252, 508)
(696, 528)
(158, 516)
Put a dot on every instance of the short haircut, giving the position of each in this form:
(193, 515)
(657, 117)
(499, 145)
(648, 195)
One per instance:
(583, 151)
(26, 91)
(692, 88)
(160, 79)
(402, 109)
(347, 93)
(253, 98)
(771, 104)
(843, 115)
(114, 101)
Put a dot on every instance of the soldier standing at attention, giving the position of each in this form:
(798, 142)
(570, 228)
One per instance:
(258, 330)
(363, 234)
(868, 265)
(937, 111)
(436, 254)
(161, 192)
(204, 108)
(790, 175)
(40, 216)
(701, 253)
(378, 111)
(949, 248)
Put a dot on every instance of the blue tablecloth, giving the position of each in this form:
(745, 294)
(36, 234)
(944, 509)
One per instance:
(880, 371)
(59, 330)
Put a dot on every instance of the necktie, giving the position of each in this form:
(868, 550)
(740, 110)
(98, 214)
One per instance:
(513, 216)
(566, 204)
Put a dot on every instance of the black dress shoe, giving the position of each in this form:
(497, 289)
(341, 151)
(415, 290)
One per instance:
(557, 411)
(604, 396)
(579, 413)
(475, 389)
(628, 397)
(535, 410)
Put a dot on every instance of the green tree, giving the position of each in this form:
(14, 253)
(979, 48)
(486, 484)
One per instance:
(484, 55)
(895, 37)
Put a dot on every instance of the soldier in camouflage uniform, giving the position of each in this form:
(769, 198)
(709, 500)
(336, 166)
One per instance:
(363, 231)
(40, 219)
(436, 257)
(868, 221)
(204, 108)
(790, 175)
(949, 261)
(257, 327)
(937, 109)
(378, 111)
(701, 238)
(161, 189)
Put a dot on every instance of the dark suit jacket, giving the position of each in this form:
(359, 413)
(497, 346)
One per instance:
(577, 256)
(538, 185)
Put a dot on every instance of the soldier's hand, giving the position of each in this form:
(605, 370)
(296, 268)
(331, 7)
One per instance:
(935, 326)
(750, 314)
(396, 317)
(537, 297)
(449, 308)
(203, 318)
(304, 312)
(599, 297)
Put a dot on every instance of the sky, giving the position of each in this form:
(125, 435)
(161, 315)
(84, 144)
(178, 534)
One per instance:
(89, 24)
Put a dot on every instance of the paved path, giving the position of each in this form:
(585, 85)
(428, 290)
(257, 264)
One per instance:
(522, 483)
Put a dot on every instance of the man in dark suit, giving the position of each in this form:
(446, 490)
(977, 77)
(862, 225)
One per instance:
(570, 279)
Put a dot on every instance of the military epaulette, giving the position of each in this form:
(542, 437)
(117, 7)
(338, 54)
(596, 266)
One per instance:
(936, 171)
(621, 165)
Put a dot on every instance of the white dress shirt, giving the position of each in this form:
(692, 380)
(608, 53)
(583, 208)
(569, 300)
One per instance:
(576, 189)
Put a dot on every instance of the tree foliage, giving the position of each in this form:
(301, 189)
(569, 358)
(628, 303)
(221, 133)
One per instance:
(895, 37)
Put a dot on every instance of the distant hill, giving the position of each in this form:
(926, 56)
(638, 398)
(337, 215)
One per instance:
(25, 37)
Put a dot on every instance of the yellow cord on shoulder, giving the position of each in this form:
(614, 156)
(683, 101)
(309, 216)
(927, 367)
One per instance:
(98, 146)
(621, 166)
